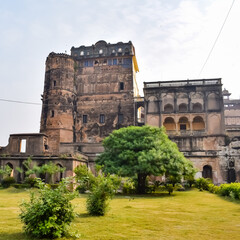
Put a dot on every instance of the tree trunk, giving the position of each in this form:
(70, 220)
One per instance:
(141, 183)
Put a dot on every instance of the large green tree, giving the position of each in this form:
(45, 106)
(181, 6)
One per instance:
(143, 151)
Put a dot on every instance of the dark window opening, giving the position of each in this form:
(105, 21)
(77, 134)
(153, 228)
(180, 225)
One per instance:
(207, 172)
(102, 118)
(183, 127)
(84, 118)
(119, 61)
(46, 147)
(52, 113)
(121, 85)
(120, 118)
(54, 83)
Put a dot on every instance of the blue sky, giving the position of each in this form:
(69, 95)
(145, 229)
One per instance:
(172, 40)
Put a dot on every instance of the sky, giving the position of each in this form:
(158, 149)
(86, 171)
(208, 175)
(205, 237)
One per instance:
(172, 39)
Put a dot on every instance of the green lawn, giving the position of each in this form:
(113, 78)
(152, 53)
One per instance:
(184, 215)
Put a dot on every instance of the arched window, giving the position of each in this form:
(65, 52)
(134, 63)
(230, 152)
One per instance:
(198, 123)
(183, 107)
(197, 107)
(207, 172)
(168, 108)
(183, 124)
(169, 124)
(140, 115)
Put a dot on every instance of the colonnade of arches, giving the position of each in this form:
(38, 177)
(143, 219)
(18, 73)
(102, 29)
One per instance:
(184, 124)
(44, 176)
(183, 102)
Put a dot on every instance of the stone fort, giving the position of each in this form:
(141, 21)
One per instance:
(93, 91)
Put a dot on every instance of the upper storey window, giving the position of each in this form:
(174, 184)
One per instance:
(82, 53)
(100, 51)
(113, 51)
(121, 87)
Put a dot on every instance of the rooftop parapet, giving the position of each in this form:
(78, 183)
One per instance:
(179, 83)
(103, 49)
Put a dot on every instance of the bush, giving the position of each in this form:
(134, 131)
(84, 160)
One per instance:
(49, 212)
(32, 181)
(103, 190)
(202, 183)
(212, 188)
(7, 182)
(231, 190)
(129, 186)
(17, 185)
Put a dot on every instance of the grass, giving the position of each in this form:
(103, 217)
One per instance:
(184, 215)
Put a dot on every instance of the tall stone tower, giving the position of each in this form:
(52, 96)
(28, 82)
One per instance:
(57, 119)
(87, 95)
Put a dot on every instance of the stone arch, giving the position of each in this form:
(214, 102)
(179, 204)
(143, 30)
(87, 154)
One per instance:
(183, 107)
(11, 166)
(41, 175)
(168, 108)
(169, 124)
(152, 104)
(140, 114)
(183, 124)
(59, 175)
(207, 171)
(197, 107)
(213, 101)
(198, 123)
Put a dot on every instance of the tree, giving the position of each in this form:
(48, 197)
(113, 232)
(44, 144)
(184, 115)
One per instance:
(143, 151)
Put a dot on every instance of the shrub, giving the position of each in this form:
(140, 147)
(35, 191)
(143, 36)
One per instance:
(32, 181)
(202, 183)
(49, 212)
(7, 182)
(85, 178)
(103, 190)
(232, 190)
(212, 188)
(17, 185)
(129, 186)
(81, 188)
